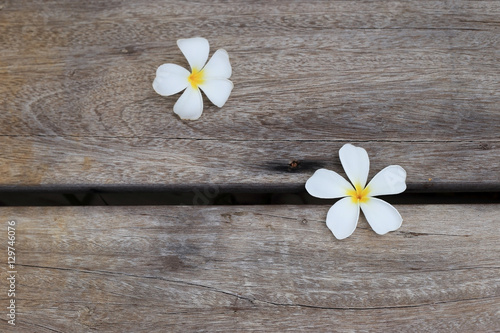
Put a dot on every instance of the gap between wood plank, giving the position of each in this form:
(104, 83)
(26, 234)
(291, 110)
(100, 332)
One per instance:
(215, 196)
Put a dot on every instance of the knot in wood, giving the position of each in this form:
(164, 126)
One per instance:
(294, 165)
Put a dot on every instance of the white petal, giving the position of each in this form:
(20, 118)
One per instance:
(217, 90)
(343, 217)
(195, 50)
(390, 180)
(381, 216)
(327, 184)
(170, 79)
(190, 104)
(218, 66)
(356, 164)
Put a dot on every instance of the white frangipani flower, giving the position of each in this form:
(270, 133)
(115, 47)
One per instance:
(342, 218)
(212, 78)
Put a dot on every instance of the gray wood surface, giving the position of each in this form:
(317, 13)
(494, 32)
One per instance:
(256, 269)
(416, 83)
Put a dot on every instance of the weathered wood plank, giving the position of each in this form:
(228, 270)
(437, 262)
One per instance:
(77, 96)
(261, 268)
(228, 165)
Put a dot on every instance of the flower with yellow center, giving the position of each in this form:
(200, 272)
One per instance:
(343, 217)
(212, 78)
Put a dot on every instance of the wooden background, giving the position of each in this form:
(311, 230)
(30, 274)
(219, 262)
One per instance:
(416, 83)
(254, 268)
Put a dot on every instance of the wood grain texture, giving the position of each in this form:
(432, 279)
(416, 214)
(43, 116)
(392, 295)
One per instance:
(416, 80)
(260, 268)
(253, 165)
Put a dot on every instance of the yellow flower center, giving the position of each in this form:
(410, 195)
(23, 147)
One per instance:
(359, 194)
(196, 78)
